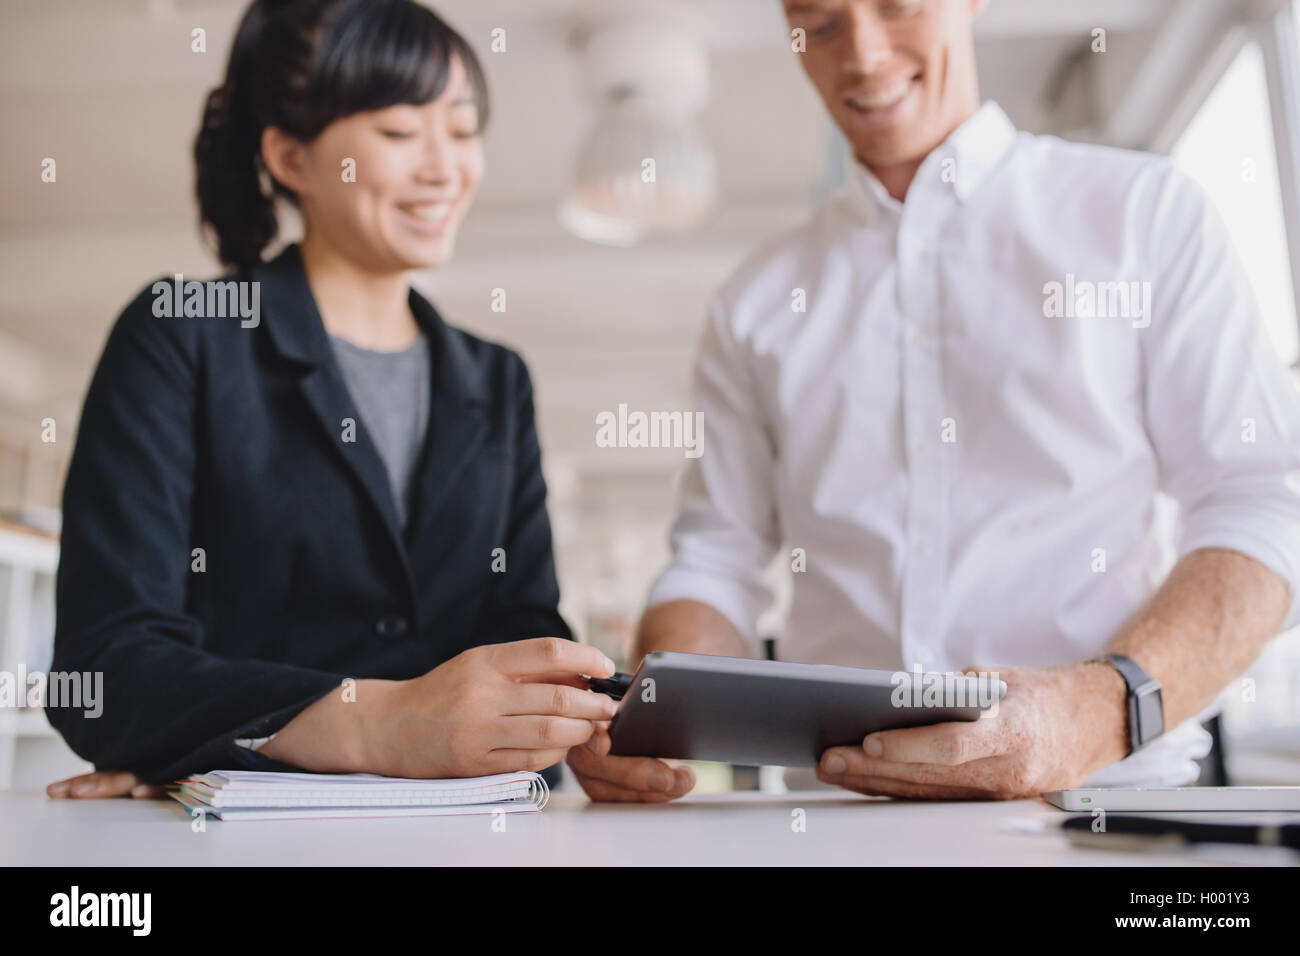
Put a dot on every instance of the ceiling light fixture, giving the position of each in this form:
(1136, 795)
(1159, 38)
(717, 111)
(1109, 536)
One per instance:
(643, 169)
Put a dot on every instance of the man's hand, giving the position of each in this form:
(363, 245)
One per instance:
(682, 625)
(626, 779)
(1053, 729)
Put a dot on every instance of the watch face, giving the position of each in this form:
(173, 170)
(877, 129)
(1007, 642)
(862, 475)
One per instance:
(1151, 718)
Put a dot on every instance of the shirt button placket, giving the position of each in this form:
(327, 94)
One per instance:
(922, 577)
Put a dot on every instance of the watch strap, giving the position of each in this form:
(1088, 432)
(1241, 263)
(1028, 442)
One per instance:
(1146, 719)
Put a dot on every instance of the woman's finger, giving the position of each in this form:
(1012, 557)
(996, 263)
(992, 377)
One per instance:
(559, 677)
(507, 760)
(547, 655)
(599, 743)
(98, 783)
(530, 732)
(559, 701)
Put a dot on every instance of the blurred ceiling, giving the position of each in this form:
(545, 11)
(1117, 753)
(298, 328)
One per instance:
(111, 90)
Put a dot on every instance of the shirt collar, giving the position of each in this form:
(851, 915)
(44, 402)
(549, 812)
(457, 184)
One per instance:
(958, 164)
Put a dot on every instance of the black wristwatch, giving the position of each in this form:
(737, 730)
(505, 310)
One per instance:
(1146, 708)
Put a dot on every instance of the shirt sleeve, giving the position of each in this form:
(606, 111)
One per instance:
(1223, 412)
(726, 532)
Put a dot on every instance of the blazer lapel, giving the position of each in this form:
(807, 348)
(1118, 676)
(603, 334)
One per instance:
(297, 332)
(328, 396)
(458, 422)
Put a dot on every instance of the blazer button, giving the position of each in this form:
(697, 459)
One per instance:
(390, 625)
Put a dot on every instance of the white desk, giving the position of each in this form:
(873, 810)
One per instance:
(740, 828)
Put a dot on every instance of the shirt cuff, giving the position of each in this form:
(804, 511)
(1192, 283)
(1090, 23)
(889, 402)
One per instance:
(253, 743)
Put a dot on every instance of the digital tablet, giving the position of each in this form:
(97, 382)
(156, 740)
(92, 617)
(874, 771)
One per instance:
(699, 707)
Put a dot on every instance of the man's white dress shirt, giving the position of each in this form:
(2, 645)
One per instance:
(962, 420)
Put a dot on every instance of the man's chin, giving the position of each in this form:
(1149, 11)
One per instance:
(895, 150)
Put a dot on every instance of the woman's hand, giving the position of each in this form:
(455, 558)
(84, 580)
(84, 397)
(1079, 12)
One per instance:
(495, 708)
(105, 783)
(492, 709)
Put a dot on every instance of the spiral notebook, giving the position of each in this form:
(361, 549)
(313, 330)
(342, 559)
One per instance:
(260, 795)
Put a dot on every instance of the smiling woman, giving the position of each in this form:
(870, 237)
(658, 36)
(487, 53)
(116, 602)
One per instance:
(279, 537)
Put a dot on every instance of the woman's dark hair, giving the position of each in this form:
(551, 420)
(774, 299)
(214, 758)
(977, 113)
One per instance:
(299, 65)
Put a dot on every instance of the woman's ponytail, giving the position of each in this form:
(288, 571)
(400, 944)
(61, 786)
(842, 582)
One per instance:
(228, 154)
(232, 202)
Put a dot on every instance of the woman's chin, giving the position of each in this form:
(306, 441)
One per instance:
(424, 255)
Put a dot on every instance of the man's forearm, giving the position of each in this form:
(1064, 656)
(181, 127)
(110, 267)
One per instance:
(689, 626)
(1204, 627)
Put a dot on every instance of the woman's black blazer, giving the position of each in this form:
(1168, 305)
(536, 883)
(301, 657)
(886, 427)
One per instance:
(228, 556)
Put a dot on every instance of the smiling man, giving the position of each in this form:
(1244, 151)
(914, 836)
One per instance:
(970, 467)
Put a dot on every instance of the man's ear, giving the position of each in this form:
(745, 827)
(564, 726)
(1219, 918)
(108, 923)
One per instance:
(283, 156)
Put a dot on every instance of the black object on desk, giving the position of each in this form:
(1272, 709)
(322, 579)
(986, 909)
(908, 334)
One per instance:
(1151, 832)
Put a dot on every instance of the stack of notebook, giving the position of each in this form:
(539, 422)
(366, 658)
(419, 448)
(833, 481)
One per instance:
(257, 795)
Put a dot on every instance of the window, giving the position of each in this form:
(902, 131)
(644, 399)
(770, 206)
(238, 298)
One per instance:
(1228, 148)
